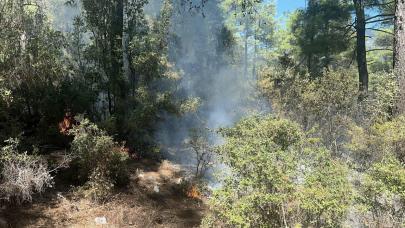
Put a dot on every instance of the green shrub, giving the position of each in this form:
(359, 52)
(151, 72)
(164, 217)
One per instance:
(325, 104)
(326, 195)
(277, 178)
(390, 137)
(382, 139)
(382, 97)
(382, 188)
(359, 129)
(382, 193)
(330, 105)
(99, 185)
(101, 161)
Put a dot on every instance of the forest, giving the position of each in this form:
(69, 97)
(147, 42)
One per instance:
(202, 113)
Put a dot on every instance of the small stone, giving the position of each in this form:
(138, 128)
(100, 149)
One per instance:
(156, 189)
(100, 220)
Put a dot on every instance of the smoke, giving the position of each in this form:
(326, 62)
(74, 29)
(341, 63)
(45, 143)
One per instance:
(62, 14)
(204, 50)
(206, 53)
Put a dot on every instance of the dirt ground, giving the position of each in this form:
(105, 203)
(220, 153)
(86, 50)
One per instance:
(154, 198)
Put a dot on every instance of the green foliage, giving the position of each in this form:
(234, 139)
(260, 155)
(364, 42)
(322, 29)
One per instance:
(44, 72)
(102, 163)
(381, 59)
(324, 104)
(382, 139)
(253, 26)
(321, 31)
(261, 155)
(391, 134)
(383, 192)
(381, 100)
(36, 85)
(98, 187)
(135, 102)
(364, 132)
(157, 78)
(277, 179)
(390, 174)
(329, 105)
(190, 105)
(326, 195)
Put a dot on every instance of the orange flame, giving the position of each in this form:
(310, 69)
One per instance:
(131, 153)
(66, 124)
(193, 193)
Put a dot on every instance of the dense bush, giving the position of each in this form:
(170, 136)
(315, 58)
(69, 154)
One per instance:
(102, 162)
(278, 178)
(382, 187)
(330, 105)
(382, 139)
(382, 194)
(326, 195)
(360, 129)
(324, 104)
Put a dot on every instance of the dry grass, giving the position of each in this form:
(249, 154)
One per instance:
(22, 178)
(137, 206)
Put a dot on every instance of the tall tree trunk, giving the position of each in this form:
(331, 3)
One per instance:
(109, 98)
(361, 45)
(255, 56)
(118, 90)
(399, 60)
(125, 40)
(310, 54)
(245, 63)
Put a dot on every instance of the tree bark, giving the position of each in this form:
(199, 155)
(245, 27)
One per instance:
(245, 64)
(125, 41)
(255, 55)
(399, 56)
(361, 45)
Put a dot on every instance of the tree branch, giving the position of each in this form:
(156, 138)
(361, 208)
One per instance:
(380, 30)
(380, 20)
(381, 4)
(355, 37)
(380, 15)
(380, 49)
(349, 28)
